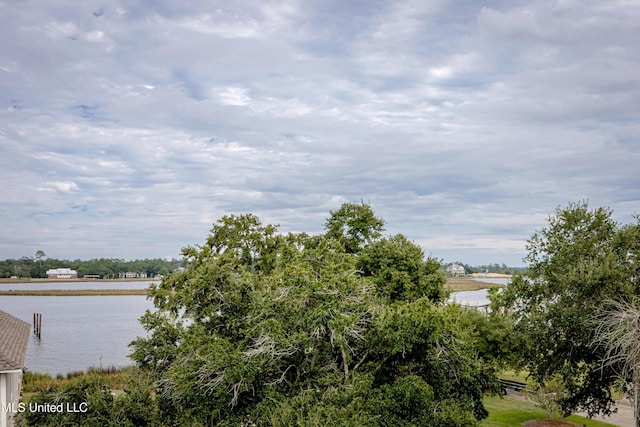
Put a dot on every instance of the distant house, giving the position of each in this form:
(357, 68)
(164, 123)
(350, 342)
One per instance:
(62, 273)
(456, 270)
(14, 338)
(132, 275)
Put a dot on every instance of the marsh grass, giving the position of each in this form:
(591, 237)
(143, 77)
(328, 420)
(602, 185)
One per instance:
(456, 284)
(113, 376)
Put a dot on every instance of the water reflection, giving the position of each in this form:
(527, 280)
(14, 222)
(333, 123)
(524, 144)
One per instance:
(79, 331)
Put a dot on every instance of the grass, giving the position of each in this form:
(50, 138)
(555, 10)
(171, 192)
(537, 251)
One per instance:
(520, 376)
(73, 292)
(457, 284)
(509, 412)
(35, 381)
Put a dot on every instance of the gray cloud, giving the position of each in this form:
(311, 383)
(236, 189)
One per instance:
(126, 129)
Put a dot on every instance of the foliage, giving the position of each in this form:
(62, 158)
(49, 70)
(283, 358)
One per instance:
(354, 226)
(582, 259)
(344, 328)
(493, 336)
(399, 270)
(548, 397)
(36, 381)
(105, 268)
(90, 400)
(487, 268)
(618, 332)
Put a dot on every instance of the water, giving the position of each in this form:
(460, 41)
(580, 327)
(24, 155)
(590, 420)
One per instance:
(79, 331)
(497, 280)
(479, 297)
(471, 298)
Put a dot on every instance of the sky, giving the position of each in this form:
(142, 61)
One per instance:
(127, 128)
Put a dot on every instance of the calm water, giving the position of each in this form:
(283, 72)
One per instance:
(478, 297)
(76, 285)
(79, 331)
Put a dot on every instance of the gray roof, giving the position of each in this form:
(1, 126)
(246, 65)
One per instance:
(14, 338)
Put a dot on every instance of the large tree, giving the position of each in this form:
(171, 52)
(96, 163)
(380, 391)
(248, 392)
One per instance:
(578, 262)
(290, 329)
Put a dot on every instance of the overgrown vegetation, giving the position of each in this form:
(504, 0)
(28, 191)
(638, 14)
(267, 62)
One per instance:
(99, 397)
(487, 268)
(33, 382)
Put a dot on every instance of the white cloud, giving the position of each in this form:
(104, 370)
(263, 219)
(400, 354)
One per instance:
(234, 96)
(63, 186)
(463, 125)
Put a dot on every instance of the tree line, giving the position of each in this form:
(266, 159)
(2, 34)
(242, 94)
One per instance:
(487, 268)
(105, 268)
(353, 328)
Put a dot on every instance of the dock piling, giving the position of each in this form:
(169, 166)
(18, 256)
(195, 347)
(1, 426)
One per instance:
(37, 324)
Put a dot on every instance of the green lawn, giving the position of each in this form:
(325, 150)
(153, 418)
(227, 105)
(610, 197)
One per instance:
(521, 376)
(508, 412)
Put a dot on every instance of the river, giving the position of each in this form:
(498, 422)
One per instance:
(79, 331)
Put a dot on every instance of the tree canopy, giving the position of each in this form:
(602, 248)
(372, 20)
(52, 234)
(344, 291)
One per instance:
(343, 328)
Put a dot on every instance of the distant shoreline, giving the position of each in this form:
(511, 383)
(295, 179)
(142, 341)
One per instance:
(81, 279)
(453, 284)
(461, 284)
(72, 292)
(490, 276)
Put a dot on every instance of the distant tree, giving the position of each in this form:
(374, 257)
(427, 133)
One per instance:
(26, 267)
(38, 256)
(354, 225)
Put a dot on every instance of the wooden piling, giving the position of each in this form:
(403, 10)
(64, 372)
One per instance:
(37, 324)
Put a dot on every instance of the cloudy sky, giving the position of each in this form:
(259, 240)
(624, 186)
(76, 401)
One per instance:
(128, 127)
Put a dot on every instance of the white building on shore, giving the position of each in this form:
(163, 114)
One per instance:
(62, 273)
(456, 270)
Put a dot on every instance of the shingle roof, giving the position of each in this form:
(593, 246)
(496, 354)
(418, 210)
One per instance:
(14, 338)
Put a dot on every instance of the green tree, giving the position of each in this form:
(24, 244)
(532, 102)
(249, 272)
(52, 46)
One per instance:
(578, 262)
(38, 256)
(286, 329)
(547, 397)
(354, 225)
(400, 271)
